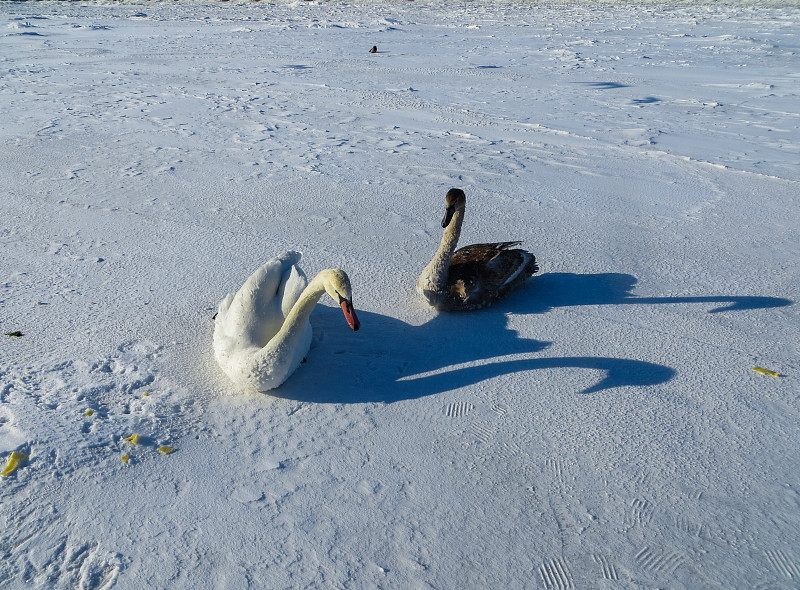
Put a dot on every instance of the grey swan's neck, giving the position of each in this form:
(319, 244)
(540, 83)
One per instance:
(432, 282)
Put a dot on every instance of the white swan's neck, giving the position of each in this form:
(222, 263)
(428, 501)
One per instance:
(296, 320)
(434, 276)
(270, 366)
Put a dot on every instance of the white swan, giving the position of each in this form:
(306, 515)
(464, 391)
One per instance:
(473, 276)
(262, 333)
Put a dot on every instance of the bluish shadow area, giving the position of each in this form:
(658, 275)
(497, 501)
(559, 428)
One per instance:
(389, 360)
(606, 85)
(551, 290)
(619, 372)
(646, 100)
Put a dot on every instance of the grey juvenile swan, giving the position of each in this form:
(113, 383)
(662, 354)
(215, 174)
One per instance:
(474, 276)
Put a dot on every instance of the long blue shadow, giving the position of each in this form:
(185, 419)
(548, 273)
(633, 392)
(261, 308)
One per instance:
(389, 360)
(551, 290)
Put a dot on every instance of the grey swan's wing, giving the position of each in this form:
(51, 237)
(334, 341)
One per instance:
(480, 274)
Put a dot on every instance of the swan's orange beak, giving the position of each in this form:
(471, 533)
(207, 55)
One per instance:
(350, 315)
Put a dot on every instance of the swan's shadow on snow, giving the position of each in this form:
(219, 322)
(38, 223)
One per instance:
(390, 360)
(551, 290)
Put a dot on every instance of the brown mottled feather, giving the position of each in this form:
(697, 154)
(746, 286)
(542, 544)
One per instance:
(479, 274)
(480, 252)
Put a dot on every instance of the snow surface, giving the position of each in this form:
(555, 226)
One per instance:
(600, 428)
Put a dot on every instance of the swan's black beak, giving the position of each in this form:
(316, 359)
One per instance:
(448, 215)
(350, 314)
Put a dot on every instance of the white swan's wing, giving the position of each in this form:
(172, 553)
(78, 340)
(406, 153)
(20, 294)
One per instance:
(253, 315)
(292, 285)
(248, 321)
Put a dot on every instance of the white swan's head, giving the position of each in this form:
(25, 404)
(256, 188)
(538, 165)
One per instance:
(455, 200)
(337, 285)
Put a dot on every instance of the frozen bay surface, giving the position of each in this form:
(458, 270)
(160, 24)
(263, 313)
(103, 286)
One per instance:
(600, 428)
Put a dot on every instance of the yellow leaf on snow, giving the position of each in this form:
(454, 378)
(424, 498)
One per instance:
(13, 462)
(165, 449)
(125, 458)
(133, 439)
(764, 371)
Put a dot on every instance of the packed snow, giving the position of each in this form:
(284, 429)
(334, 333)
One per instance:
(600, 427)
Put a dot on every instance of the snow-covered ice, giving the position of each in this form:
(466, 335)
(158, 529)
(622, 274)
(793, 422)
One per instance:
(601, 427)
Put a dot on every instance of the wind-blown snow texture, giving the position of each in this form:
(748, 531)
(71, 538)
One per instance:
(600, 428)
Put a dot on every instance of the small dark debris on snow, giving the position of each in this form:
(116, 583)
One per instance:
(16, 334)
(374, 49)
